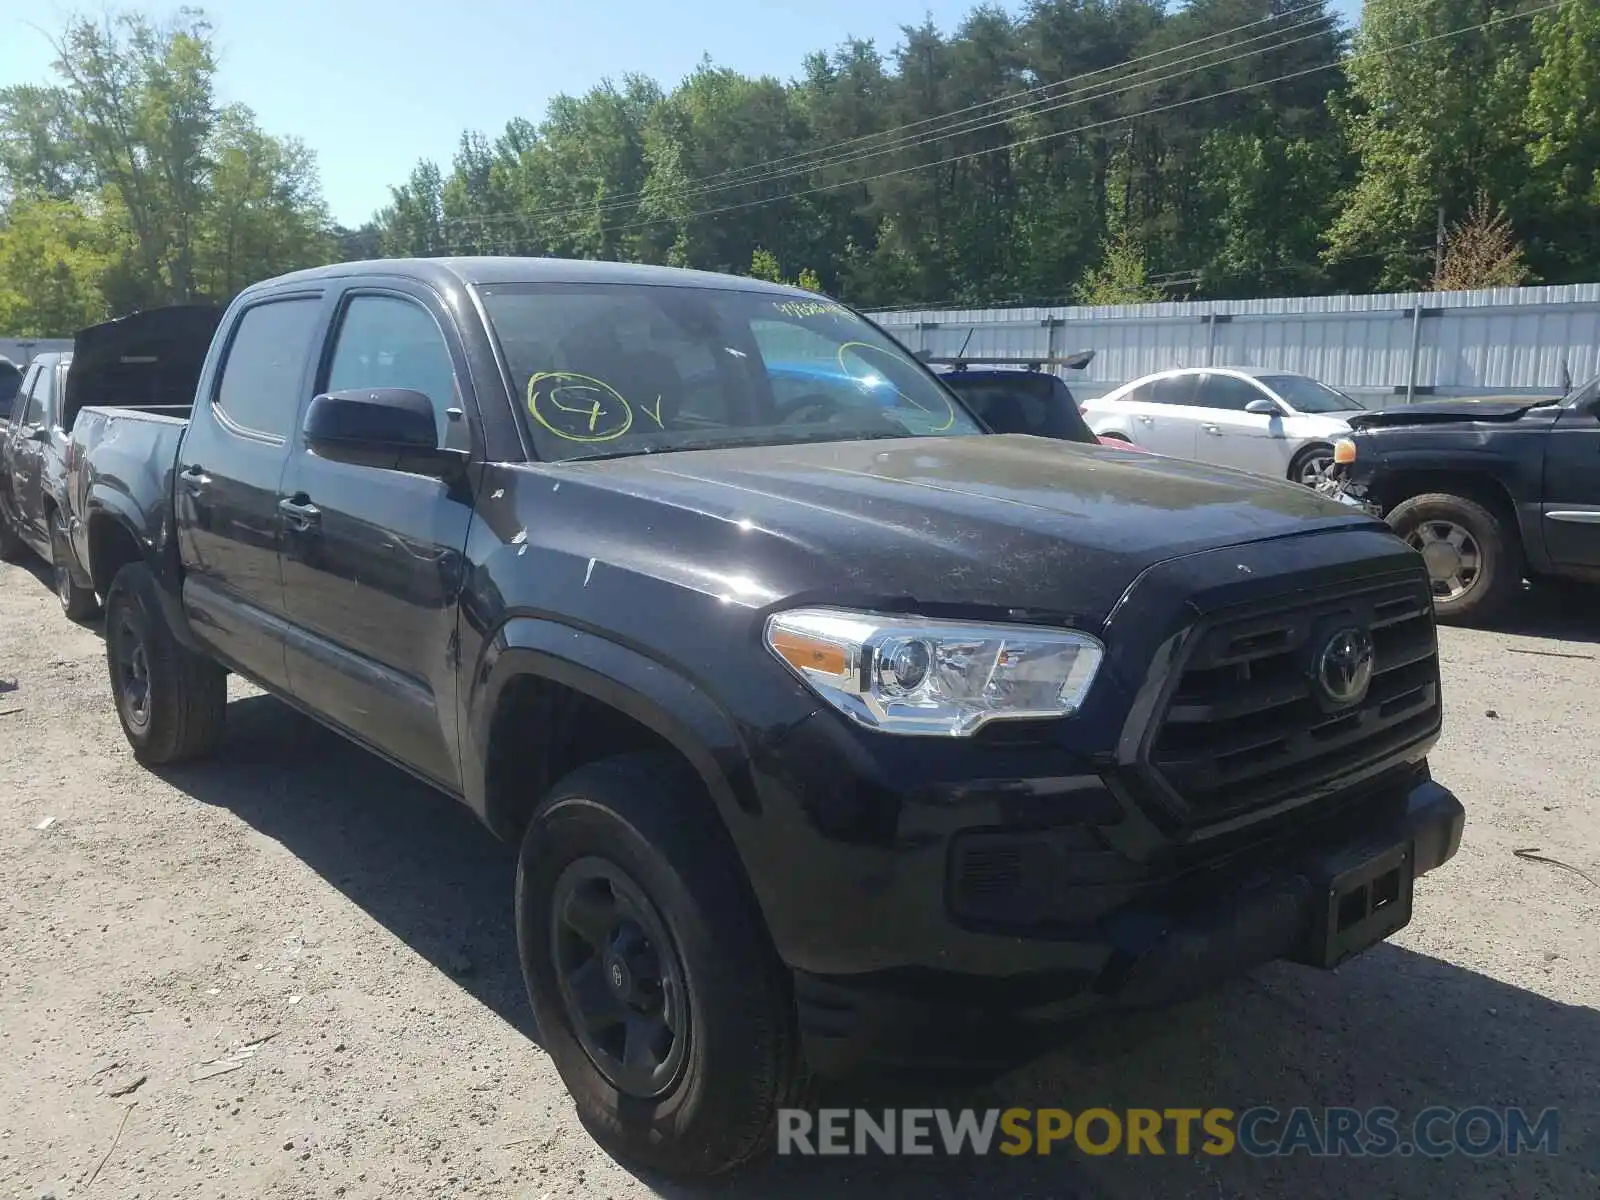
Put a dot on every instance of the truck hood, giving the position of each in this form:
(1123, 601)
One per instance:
(1005, 522)
(1437, 412)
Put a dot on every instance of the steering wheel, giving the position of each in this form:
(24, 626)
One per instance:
(787, 410)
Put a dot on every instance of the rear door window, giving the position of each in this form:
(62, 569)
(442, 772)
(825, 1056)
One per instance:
(264, 373)
(1176, 390)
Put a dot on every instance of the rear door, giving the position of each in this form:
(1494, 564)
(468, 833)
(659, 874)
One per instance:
(1572, 485)
(373, 557)
(1231, 437)
(229, 467)
(27, 454)
(1161, 418)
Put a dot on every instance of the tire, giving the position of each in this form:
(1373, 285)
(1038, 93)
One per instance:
(171, 701)
(643, 818)
(79, 603)
(1486, 590)
(1303, 463)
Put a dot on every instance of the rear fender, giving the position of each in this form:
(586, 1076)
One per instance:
(112, 515)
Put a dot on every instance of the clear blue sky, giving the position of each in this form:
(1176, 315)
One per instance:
(372, 87)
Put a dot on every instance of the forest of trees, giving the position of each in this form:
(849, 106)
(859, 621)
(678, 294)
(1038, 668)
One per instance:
(1067, 151)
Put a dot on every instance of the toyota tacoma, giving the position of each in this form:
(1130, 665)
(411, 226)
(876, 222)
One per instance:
(834, 730)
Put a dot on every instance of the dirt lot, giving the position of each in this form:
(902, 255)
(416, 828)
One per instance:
(290, 973)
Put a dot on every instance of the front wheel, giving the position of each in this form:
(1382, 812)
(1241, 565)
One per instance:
(656, 991)
(171, 701)
(79, 603)
(1474, 560)
(1311, 464)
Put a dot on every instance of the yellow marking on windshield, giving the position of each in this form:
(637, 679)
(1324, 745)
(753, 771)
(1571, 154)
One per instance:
(578, 408)
(950, 410)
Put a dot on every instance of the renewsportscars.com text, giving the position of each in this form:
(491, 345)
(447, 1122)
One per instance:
(1260, 1131)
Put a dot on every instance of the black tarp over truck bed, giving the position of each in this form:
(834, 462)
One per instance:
(149, 361)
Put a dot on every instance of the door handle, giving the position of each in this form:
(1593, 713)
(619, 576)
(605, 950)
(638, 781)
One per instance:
(299, 513)
(1147, 419)
(194, 477)
(1212, 429)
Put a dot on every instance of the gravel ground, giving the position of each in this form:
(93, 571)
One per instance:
(290, 974)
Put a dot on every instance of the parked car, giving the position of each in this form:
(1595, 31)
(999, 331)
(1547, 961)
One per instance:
(10, 381)
(1021, 401)
(1267, 422)
(1489, 492)
(831, 731)
(146, 360)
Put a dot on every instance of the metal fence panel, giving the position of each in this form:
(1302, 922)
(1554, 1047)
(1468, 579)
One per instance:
(1382, 348)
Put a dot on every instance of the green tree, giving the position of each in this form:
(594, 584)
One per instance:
(1120, 277)
(192, 199)
(52, 257)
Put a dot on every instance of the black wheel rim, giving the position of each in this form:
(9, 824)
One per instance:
(133, 671)
(620, 977)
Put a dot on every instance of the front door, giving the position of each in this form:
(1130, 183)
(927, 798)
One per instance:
(226, 485)
(1572, 486)
(373, 557)
(1231, 437)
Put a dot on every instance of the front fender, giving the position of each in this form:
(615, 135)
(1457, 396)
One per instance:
(653, 694)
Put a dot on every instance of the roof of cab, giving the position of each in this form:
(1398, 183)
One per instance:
(488, 271)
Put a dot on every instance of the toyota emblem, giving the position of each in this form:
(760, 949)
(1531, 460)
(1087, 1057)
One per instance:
(1344, 666)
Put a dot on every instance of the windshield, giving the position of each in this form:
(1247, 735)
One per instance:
(614, 369)
(1023, 402)
(1308, 396)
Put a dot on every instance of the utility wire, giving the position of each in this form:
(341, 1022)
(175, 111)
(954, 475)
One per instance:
(1045, 137)
(1012, 106)
(1069, 100)
(825, 157)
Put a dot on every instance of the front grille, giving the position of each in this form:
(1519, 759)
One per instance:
(1245, 728)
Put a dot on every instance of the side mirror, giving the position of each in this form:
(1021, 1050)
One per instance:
(1263, 408)
(388, 428)
(39, 434)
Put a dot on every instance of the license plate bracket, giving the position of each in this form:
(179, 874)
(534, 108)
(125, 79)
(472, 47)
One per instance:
(1365, 896)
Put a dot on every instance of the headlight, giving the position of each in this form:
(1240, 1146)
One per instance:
(1344, 451)
(937, 678)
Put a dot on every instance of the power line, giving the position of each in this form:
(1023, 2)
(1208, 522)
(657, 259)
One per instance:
(1014, 105)
(1069, 100)
(1045, 137)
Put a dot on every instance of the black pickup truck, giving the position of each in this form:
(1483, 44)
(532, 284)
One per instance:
(833, 729)
(1491, 492)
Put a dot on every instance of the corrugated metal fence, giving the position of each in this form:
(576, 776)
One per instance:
(22, 350)
(1382, 349)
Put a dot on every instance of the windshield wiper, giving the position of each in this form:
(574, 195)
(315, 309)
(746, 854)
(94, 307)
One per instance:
(733, 443)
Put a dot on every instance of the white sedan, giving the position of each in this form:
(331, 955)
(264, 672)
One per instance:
(1267, 422)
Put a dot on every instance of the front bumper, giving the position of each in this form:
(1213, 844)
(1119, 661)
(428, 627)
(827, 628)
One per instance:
(1282, 901)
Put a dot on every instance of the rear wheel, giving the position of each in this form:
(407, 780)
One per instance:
(171, 701)
(656, 991)
(77, 602)
(1474, 560)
